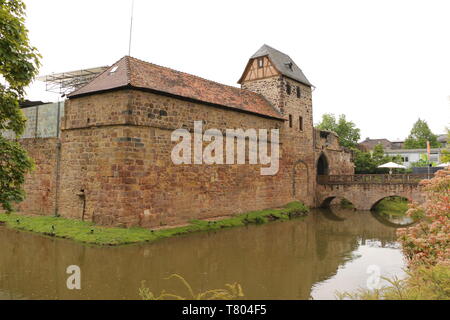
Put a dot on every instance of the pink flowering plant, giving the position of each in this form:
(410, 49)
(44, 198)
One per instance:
(428, 241)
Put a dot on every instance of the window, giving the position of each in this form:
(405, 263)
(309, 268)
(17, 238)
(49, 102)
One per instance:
(288, 88)
(299, 93)
(300, 123)
(290, 121)
(260, 62)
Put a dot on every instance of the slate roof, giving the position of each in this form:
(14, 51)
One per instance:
(283, 63)
(138, 74)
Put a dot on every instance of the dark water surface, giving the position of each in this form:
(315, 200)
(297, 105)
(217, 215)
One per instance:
(309, 257)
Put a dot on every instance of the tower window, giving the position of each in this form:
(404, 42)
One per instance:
(260, 62)
(299, 93)
(288, 88)
(300, 123)
(290, 121)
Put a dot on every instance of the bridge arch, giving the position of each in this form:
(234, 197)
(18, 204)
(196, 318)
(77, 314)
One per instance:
(376, 202)
(326, 202)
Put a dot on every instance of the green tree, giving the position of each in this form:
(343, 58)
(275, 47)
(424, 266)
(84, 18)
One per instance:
(368, 162)
(419, 135)
(346, 130)
(19, 63)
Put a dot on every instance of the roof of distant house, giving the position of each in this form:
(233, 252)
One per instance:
(442, 138)
(29, 103)
(394, 151)
(283, 63)
(371, 143)
(133, 73)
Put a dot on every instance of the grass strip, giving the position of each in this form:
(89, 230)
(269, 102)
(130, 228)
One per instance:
(87, 232)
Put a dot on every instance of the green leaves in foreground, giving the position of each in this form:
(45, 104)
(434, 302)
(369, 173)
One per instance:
(19, 64)
(14, 164)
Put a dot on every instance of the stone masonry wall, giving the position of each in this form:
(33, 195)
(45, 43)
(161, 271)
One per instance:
(340, 160)
(117, 168)
(297, 144)
(41, 184)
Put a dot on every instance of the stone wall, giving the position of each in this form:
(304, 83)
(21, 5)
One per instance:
(340, 159)
(116, 166)
(41, 184)
(298, 149)
(116, 151)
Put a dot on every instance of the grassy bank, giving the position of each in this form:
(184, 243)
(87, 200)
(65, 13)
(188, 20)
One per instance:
(87, 232)
(394, 206)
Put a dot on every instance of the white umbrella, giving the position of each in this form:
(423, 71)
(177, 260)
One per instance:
(392, 165)
(443, 165)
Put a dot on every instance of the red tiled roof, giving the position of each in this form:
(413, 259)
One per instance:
(135, 73)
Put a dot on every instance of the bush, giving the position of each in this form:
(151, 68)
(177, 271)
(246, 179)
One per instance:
(428, 241)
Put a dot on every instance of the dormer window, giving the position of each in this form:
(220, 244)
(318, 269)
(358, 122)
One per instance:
(288, 88)
(260, 62)
(289, 65)
(114, 69)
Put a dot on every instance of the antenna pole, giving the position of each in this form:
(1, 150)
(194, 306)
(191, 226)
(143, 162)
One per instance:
(131, 27)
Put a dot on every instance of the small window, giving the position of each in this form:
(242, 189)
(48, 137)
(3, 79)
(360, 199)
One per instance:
(260, 62)
(299, 93)
(290, 121)
(114, 69)
(300, 123)
(288, 88)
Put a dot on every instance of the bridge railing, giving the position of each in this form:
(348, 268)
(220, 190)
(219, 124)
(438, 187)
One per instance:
(372, 179)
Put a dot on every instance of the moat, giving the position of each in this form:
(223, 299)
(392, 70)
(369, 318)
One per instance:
(311, 257)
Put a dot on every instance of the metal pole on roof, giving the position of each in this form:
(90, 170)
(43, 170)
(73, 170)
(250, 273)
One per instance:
(131, 27)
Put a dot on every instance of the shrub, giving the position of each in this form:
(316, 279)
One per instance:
(428, 241)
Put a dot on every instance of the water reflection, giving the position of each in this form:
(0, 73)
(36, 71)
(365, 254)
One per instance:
(393, 221)
(287, 260)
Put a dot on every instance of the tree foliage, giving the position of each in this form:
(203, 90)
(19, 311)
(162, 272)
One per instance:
(427, 242)
(19, 63)
(368, 162)
(419, 135)
(346, 130)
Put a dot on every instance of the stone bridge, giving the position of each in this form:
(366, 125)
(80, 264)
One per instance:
(366, 190)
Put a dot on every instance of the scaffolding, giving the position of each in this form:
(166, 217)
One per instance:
(67, 82)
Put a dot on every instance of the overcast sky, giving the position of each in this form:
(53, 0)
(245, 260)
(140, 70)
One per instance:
(382, 63)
